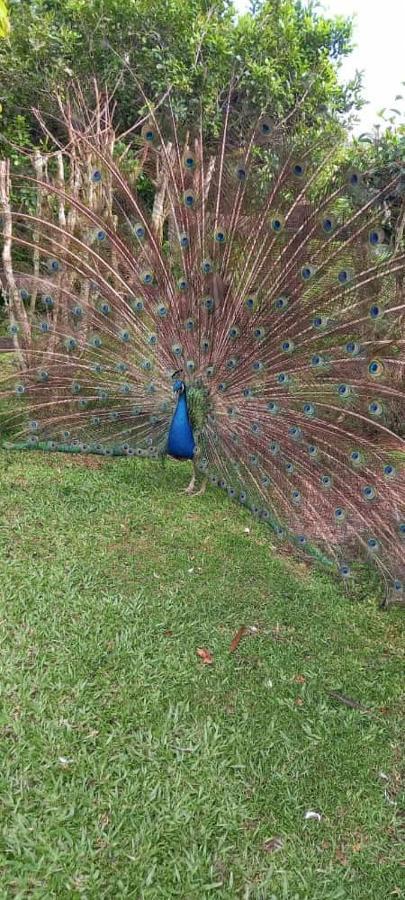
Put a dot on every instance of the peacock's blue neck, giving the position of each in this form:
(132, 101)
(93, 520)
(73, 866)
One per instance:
(180, 442)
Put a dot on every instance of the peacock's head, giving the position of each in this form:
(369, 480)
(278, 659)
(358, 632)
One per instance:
(178, 385)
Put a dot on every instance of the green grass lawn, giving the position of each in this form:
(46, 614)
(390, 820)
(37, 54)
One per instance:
(131, 769)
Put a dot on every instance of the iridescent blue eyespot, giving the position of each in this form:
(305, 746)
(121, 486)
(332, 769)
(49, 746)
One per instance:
(189, 199)
(281, 302)
(208, 303)
(274, 448)
(14, 328)
(255, 428)
(96, 176)
(137, 305)
(295, 432)
(54, 265)
(373, 544)
(121, 367)
(343, 276)
(313, 450)
(124, 336)
(250, 303)
(354, 179)
(241, 173)
(222, 387)
(326, 481)
(247, 392)
(49, 301)
(339, 514)
(182, 284)
(77, 312)
(257, 366)
(259, 333)
(139, 231)
(265, 127)
(44, 327)
(316, 360)
(190, 365)
(309, 409)
(43, 375)
(401, 529)
(352, 347)
(234, 332)
(253, 459)
(75, 387)
(205, 345)
(147, 277)
(375, 368)
(189, 161)
(231, 363)
(148, 134)
(344, 390)
(273, 407)
(105, 308)
(152, 339)
(307, 272)
(162, 310)
(375, 311)
(295, 496)
(287, 346)
(375, 408)
(327, 225)
(301, 539)
(282, 378)
(389, 471)
(277, 224)
(398, 586)
(289, 467)
(70, 343)
(320, 321)
(206, 266)
(210, 371)
(101, 235)
(96, 341)
(177, 349)
(184, 240)
(355, 457)
(344, 570)
(368, 492)
(220, 236)
(189, 324)
(298, 170)
(20, 389)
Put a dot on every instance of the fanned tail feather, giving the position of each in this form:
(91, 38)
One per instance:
(264, 275)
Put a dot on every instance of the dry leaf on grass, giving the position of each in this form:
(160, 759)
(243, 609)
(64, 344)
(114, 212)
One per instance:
(237, 639)
(273, 844)
(205, 656)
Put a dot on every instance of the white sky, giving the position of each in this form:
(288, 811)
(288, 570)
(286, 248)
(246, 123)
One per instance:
(379, 33)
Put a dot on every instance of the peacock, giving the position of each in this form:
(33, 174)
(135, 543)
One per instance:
(234, 299)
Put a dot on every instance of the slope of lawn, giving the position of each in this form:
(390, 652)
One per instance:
(129, 766)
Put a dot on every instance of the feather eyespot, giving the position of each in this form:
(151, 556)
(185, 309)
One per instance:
(148, 134)
(298, 169)
(307, 272)
(281, 302)
(184, 240)
(189, 199)
(139, 231)
(368, 492)
(375, 368)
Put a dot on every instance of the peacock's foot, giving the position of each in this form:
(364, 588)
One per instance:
(190, 488)
(201, 490)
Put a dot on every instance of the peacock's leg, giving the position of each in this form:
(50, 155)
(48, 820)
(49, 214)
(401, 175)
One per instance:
(191, 486)
(202, 489)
